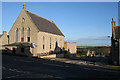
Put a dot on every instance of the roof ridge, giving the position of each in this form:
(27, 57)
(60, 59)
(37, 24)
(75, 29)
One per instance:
(53, 29)
(57, 28)
(39, 16)
(30, 18)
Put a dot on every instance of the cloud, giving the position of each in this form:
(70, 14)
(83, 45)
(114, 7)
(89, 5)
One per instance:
(92, 41)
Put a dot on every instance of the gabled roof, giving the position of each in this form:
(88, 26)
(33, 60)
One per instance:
(44, 25)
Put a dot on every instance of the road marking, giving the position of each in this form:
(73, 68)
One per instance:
(50, 76)
(67, 66)
(26, 61)
(101, 70)
(12, 69)
(12, 76)
(3, 68)
(59, 77)
(104, 70)
(108, 70)
(26, 72)
(15, 70)
(87, 68)
(18, 71)
(54, 65)
(96, 69)
(23, 61)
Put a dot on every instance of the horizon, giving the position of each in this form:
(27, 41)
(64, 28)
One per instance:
(86, 21)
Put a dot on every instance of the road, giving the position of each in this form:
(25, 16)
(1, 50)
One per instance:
(25, 67)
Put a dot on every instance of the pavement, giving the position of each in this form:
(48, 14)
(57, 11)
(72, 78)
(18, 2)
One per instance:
(14, 67)
(86, 62)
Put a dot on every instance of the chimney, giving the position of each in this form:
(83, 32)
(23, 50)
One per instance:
(24, 6)
(113, 22)
(4, 33)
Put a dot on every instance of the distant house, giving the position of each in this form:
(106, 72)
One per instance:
(4, 38)
(115, 44)
(71, 47)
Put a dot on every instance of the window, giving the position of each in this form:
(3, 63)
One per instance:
(28, 35)
(60, 42)
(16, 34)
(28, 39)
(43, 42)
(56, 43)
(56, 39)
(22, 35)
(50, 43)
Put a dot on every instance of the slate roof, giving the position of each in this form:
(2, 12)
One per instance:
(44, 25)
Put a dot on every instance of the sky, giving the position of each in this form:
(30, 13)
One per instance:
(87, 23)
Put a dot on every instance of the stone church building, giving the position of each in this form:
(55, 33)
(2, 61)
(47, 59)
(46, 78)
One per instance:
(31, 28)
(115, 44)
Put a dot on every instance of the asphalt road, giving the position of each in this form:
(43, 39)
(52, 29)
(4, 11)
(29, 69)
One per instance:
(24, 67)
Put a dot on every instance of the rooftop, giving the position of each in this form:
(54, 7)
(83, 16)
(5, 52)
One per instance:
(45, 25)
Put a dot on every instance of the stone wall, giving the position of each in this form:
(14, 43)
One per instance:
(47, 36)
(70, 47)
(35, 35)
(19, 25)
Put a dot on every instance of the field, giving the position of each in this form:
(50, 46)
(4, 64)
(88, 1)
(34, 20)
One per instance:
(99, 50)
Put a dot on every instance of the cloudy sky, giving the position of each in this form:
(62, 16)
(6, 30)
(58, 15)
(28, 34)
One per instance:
(92, 41)
(87, 23)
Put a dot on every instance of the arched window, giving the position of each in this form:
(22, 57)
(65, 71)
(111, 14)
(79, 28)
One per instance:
(50, 43)
(22, 35)
(60, 42)
(16, 34)
(56, 43)
(43, 42)
(56, 39)
(28, 35)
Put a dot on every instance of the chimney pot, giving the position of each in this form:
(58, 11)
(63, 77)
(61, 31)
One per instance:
(4, 32)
